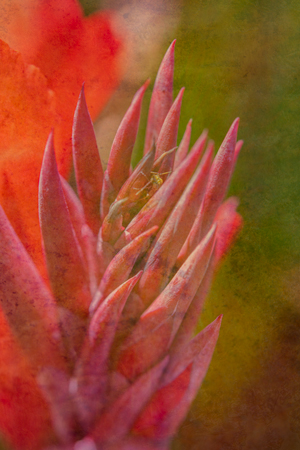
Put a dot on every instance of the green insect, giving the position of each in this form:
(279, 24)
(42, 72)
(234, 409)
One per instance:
(152, 185)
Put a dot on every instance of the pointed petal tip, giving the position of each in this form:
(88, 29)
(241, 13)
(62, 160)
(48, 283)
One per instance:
(81, 103)
(131, 282)
(50, 137)
(214, 327)
(238, 147)
(210, 147)
(140, 92)
(178, 99)
(170, 52)
(232, 132)
(204, 134)
(147, 82)
(137, 276)
(49, 148)
(235, 125)
(218, 320)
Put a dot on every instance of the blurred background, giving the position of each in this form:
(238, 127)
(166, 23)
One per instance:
(237, 58)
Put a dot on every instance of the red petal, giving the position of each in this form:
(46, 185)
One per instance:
(237, 150)
(161, 99)
(138, 178)
(151, 422)
(116, 422)
(92, 367)
(24, 414)
(120, 267)
(220, 175)
(167, 138)
(26, 301)
(84, 234)
(191, 318)
(120, 156)
(193, 238)
(137, 443)
(175, 231)
(229, 225)
(218, 182)
(154, 332)
(181, 358)
(63, 254)
(170, 404)
(184, 145)
(55, 386)
(87, 164)
(199, 368)
(161, 204)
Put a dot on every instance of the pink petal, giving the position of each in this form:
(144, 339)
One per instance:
(169, 405)
(229, 225)
(138, 178)
(120, 155)
(162, 98)
(108, 195)
(184, 145)
(136, 443)
(237, 150)
(154, 332)
(121, 266)
(167, 138)
(92, 367)
(105, 252)
(175, 231)
(74, 207)
(181, 358)
(161, 204)
(28, 305)
(191, 318)
(55, 387)
(219, 178)
(63, 254)
(112, 225)
(169, 426)
(84, 234)
(150, 423)
(87, 164)
(115, 423)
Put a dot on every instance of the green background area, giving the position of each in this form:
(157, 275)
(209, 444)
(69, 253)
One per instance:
(242, 58)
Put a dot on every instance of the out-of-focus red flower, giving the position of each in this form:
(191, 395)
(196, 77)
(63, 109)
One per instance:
(69, 49)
